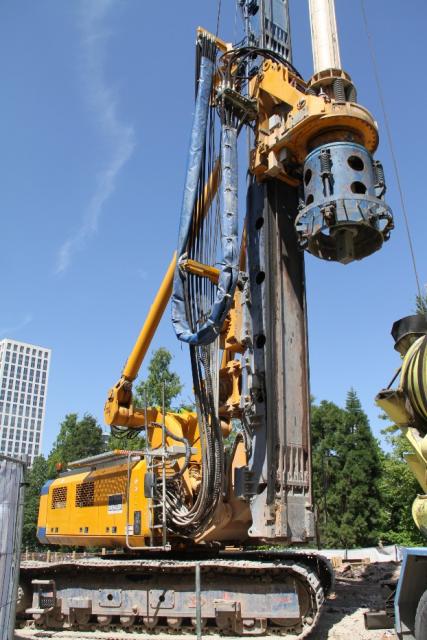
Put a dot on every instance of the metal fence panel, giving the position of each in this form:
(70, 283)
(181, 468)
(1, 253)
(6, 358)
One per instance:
(11, 516)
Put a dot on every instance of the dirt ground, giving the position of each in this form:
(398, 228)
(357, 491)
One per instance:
(357, 590)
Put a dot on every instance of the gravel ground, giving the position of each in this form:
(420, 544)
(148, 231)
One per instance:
(357, 590)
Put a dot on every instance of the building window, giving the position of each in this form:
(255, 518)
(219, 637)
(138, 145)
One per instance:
(14, 358)
(40, 413)
(20, 359)
(37, 437)
(6, 420)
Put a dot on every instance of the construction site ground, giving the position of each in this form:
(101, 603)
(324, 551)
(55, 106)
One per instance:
(357, 590)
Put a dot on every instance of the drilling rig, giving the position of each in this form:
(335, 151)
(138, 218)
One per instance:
(190, 513)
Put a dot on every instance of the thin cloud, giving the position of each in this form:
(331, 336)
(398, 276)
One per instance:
(9, 331)
(119, 135)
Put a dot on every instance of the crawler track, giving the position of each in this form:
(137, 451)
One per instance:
(241, 594)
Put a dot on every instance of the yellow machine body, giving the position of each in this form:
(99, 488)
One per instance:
(93, 507)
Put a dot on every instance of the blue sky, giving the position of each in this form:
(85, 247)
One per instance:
(97, 99)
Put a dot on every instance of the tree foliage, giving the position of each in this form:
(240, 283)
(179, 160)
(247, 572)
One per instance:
(36, 477)
(150, 392)
(398, 488)
(160, 376)
(421, 304)
(76, 439)
(346, 473)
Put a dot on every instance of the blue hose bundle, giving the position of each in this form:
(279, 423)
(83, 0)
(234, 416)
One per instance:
(206, 332)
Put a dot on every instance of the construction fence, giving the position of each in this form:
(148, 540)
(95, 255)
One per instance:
(12, 472)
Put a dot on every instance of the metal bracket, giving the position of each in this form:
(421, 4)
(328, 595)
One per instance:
(228, 614)
(45, 598)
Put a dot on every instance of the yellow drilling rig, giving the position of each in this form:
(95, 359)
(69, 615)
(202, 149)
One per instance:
(190, 513)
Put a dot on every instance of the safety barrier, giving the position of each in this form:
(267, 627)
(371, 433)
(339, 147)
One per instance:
(12, 472)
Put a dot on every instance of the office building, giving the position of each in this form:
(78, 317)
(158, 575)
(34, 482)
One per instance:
(24, 373)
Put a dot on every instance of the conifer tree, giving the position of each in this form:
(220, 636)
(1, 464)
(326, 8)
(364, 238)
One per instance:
(347, 469)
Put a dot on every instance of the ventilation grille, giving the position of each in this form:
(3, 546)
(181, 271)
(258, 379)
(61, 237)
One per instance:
(59, 498)
(85, 494)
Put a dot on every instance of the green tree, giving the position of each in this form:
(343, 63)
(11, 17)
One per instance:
(421, 304)
(398, 488)
(347, 469)
(150, 392)
(76, 439)
(159, 376)
(36, 477)
(327, 431)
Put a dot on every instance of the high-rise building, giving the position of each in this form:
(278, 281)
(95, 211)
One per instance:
(24, 372)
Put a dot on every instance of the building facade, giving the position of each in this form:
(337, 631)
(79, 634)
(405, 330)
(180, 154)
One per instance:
(24, 373)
